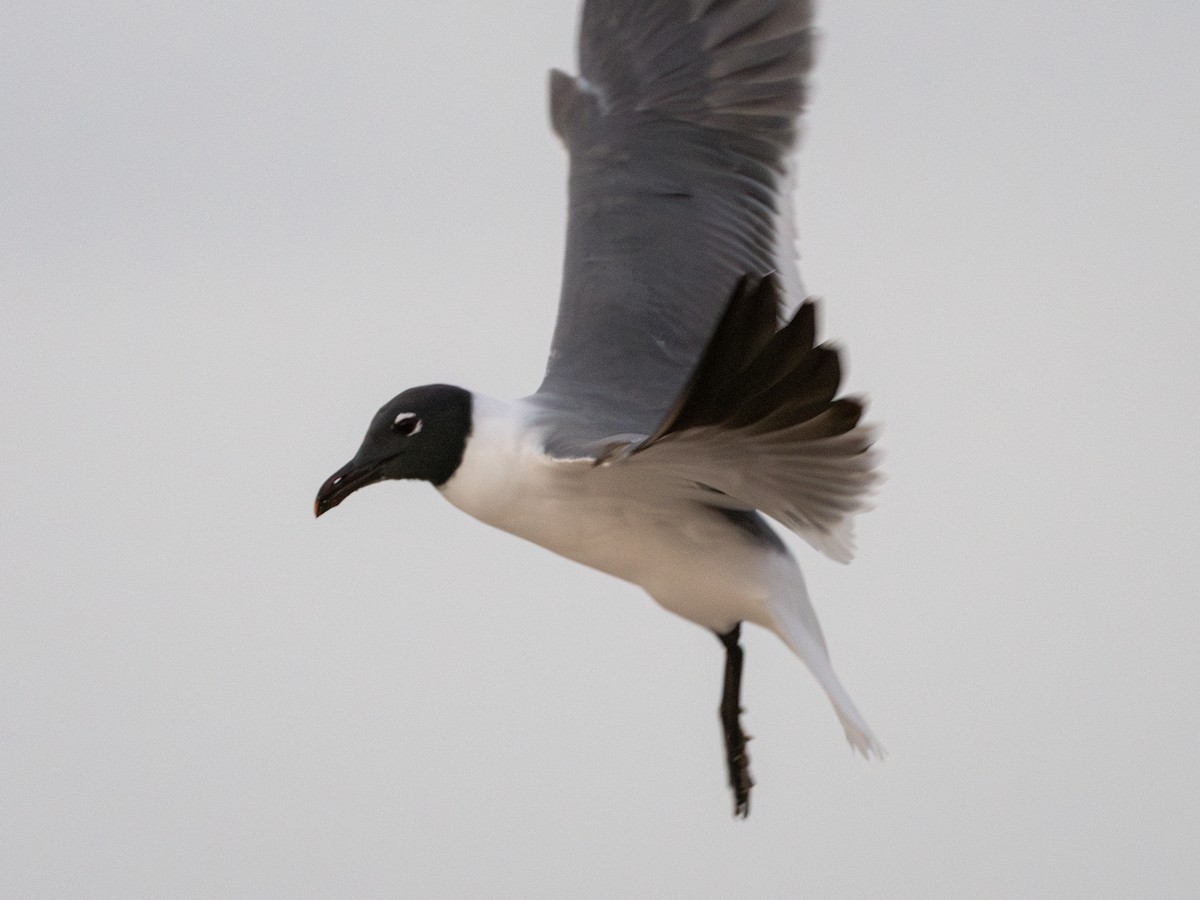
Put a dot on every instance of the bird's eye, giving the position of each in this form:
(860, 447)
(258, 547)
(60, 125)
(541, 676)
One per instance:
(407, 424)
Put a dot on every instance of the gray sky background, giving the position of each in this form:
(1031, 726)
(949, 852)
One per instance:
(229, 232)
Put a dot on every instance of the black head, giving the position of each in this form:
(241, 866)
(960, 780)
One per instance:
(420, 434)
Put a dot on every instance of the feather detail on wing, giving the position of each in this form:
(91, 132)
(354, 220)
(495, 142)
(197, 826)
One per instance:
(680, 129)
(759, 425)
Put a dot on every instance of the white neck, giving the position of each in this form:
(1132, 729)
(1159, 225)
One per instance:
(501, 450)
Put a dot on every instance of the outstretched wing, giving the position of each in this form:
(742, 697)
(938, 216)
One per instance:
(760, 425)
(679, 129)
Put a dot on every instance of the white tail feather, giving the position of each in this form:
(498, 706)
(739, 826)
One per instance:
(796, 623)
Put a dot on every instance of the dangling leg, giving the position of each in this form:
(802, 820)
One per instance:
(735, 739)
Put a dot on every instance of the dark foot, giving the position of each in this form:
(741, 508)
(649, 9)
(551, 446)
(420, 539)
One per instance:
(735, 739)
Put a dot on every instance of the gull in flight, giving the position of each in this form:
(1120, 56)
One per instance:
(686, 398)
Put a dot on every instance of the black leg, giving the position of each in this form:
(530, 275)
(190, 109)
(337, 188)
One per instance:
(735, 739)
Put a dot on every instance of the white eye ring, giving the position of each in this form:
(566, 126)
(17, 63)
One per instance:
(407, 424)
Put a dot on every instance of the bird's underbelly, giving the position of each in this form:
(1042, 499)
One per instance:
(692, 560)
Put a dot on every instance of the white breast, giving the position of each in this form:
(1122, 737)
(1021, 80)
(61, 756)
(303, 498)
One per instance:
(691, 560)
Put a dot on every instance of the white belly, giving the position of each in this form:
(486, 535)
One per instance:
(690, 559)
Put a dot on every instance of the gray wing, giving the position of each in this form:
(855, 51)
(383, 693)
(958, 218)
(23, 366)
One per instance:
(679, 129)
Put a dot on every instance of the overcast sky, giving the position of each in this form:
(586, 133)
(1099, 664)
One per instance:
(230, 231)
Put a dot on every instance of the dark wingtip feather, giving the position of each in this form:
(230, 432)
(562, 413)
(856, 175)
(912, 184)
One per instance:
(745, 328)
(755, 378)
(796, 395)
